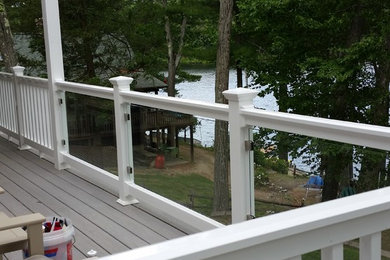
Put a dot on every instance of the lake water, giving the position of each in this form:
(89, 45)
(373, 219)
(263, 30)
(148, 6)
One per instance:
(203, 90)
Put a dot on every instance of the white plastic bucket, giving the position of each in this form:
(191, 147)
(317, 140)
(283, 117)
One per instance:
(58, 244)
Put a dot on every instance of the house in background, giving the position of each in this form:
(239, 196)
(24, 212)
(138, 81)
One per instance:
(91, 127)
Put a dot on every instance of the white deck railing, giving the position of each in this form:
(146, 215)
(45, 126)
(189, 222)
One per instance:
(25, 112)
(8, 119)
(286, 235)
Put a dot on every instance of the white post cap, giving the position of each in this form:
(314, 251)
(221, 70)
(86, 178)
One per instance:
(121, 82)
(18, 70)
(242, 95)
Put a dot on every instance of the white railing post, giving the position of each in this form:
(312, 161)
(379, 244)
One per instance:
(370, 247)
(18, 72)
(124, 144)
(335, 252)
(55, 72)
(240, 163)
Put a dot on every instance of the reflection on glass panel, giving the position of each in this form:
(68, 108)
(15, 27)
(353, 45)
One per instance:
(294, 171)
(91, 130)
(171, 161)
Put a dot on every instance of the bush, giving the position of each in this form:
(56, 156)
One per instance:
(261, 177)
(259, 157)
(278, 165)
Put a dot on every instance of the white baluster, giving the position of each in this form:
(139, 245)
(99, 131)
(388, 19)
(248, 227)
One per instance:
(333, 252)
(370, 247)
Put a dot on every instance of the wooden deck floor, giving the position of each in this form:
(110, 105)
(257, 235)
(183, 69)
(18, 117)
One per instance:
(32, 184)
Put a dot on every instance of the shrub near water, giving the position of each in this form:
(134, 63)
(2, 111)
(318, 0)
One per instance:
(279, 165)
(270, 163)
(261, 177)
(264, 165)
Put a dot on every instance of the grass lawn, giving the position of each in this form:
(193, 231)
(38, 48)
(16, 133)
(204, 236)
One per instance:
(180, 187)
(350, 253)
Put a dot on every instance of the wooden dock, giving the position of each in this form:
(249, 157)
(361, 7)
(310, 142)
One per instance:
(32, 184)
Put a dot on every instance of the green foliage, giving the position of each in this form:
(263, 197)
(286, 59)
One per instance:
(319, 58)
(102, 38)
(261, 177)
(269, 162)
(259, 157)
(265, 152)
(143, 28)
(280, 166)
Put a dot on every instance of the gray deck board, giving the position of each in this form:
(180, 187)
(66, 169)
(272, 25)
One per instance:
(136, 212)
(34, 185)
(36, 206)
(157, 231)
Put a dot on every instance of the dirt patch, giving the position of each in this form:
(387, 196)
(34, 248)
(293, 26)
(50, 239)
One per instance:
(285, 189)
(282, 189)
(203, 162)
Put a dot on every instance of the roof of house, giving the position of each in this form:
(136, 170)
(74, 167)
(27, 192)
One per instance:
(145, 83)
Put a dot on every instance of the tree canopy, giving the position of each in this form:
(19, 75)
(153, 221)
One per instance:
(323, 58)
(326, 59)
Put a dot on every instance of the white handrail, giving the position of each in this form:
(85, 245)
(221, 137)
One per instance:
(187, 106)
(347, 132)
(33, 81)
(5, 75)
(280, 236)
(336, 130)
(85, 89)
(200, 108)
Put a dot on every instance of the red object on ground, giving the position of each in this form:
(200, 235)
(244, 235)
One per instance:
(159, 163)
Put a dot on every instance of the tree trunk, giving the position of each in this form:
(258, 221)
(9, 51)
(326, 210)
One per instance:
(89, 59)
(282, 138)
(171, 59)
(171, 92)
(374, 161)
(239, 75)
(337, 171)
(87, 51)
(174, 58)
(331, 178)
(221, 202)
(6, 41)
(338, 157)
(221, 143)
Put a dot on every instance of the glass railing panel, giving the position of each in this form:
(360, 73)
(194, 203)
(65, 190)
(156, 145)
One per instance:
(292, 171)
(174, 157)
(91, 130)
